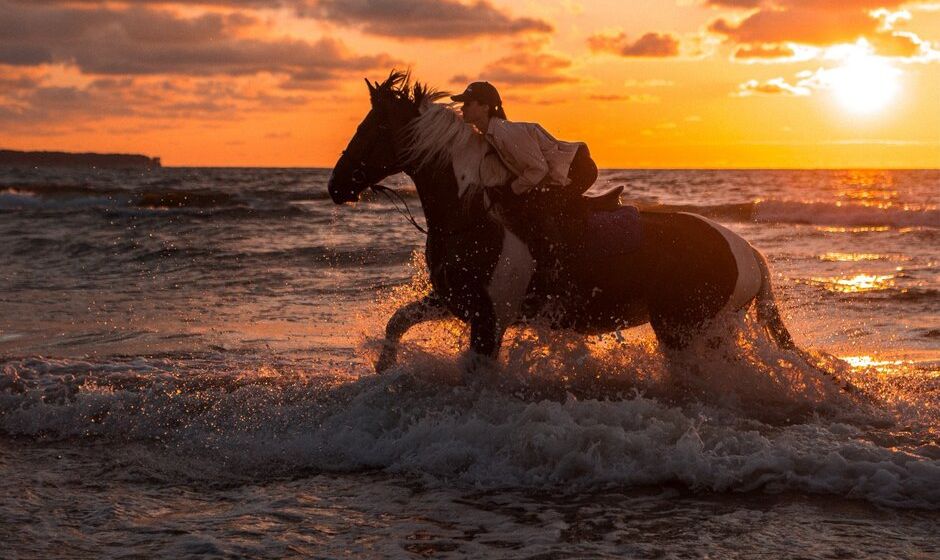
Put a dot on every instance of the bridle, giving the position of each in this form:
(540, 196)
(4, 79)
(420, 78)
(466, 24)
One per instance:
(359, 177)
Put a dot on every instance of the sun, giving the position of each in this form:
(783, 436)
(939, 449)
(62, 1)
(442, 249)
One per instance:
(864, 84)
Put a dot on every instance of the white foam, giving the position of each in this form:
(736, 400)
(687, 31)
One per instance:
(827, 213)
(217, 418)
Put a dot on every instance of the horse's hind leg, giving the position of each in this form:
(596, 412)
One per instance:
(674, 334)
(669, 337)
(428, 308)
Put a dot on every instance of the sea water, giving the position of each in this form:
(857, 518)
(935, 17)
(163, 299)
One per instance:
(186, 370)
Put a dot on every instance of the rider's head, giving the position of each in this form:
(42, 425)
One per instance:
(481, 102)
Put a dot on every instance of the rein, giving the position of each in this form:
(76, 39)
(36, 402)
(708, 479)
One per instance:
(360, 176)
(406, 212)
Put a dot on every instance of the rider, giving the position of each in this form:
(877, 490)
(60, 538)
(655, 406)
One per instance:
(551, 175)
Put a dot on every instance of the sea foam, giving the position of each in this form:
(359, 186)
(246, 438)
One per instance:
(225, 417)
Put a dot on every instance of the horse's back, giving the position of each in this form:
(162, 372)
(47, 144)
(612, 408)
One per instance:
(666, 264)
(691, 271)
(748, 275)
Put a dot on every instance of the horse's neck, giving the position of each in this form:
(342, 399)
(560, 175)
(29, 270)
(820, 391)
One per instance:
(451, 191)
(440, 201)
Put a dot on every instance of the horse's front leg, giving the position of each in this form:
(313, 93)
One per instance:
(499, 302)
(486, 337)
(486, 333)
(428, 308)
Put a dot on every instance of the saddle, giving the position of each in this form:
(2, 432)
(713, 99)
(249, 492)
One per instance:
(603, 201)
(597, 224)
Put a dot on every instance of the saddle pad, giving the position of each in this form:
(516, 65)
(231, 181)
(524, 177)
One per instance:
(613, 233)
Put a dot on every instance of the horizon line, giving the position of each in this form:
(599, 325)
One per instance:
(653, 168)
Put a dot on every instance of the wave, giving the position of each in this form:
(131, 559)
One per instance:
(815, 213)
(224, 203)
(334, 257)
(847, 215)
(271, 202)
(237, 416)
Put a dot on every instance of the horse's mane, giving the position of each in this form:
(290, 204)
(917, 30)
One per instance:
(437, 130)
(433, 137)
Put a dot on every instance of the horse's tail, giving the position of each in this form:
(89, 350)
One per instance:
(768, 315)
(767, 312)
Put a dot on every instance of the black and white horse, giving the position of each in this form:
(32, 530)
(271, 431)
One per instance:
(686, 271)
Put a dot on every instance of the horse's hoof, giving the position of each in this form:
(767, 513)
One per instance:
(384, 362)
(477, 368)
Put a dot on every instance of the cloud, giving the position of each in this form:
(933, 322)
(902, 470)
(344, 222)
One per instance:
(405, 19)
(424, 19)
(524, 69)
(777, 24)
(775, 86)
(649, 45)
(67, 63)
(229, 3)
(741, 4)
(143, 41)
(27, 101)
(653, 83)
(751, 52)
(24, 55)
(819, 27)
(629, 98)
(11, 83)
(900, 44)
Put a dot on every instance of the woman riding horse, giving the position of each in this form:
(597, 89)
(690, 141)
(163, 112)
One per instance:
(550, 175)
(686, 271)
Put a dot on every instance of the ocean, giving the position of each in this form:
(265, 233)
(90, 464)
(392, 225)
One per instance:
(186, 371)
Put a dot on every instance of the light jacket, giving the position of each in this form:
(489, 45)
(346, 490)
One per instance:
(533, 155)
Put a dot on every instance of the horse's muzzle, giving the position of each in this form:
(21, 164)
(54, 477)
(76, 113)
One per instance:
(342, 193)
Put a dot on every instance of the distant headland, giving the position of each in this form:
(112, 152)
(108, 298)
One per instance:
(14, 158)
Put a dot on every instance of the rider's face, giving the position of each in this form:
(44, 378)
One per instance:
(474, 112)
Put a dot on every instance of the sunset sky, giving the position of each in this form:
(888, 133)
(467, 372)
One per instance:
(647, 83)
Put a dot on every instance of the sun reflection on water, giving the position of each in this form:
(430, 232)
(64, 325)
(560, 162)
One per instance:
(856, 284)
(867, 361)
(851, 257)
(852, 229)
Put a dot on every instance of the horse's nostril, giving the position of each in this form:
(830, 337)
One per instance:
(338, 194)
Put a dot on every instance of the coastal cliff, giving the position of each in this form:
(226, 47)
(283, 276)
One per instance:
(14, 158)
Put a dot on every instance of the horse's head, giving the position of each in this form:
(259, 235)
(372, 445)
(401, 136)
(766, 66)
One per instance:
(376, 150)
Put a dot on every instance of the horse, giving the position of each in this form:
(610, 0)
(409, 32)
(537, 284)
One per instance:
(685, 271)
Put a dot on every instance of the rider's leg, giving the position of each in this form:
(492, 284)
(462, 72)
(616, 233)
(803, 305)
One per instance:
(564, 212)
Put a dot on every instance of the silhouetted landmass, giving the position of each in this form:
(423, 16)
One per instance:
(14, 158)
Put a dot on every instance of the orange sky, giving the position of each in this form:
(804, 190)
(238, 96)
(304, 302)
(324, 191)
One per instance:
(647, 83)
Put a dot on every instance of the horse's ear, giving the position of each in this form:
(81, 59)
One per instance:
(369, 85)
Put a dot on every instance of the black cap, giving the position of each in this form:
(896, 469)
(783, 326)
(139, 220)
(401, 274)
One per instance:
(481, 92)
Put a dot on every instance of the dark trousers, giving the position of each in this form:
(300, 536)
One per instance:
(553, 210)
(562, 203)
